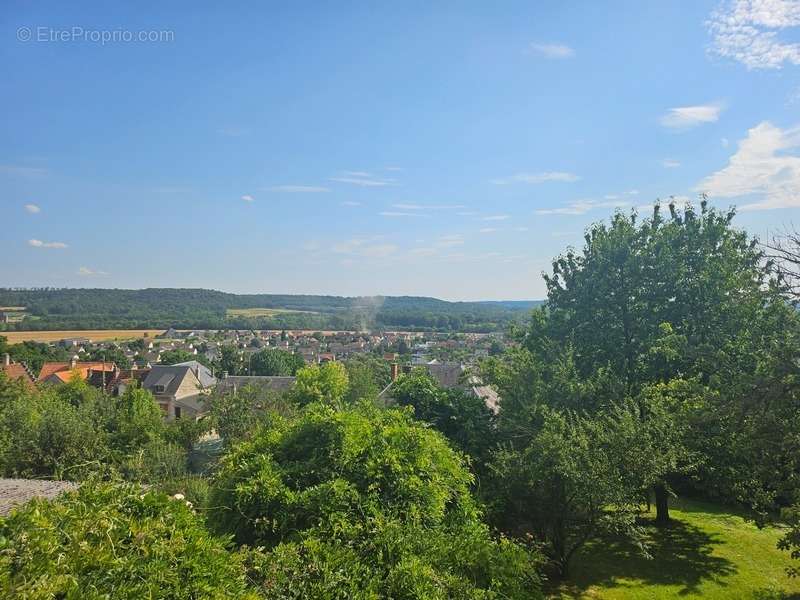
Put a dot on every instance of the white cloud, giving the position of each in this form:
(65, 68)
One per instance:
(761, 168)
(686, 117)
(580, 207)
(365, 247)
(496, 218)
(363, 179)
(351, 203)
(537, 178)
(297, 189)
(669, 163)
(747, 31)
(40, 244)
(427, 206)
(394, 214)
(247, 198)
(87, 272)
(551, 50)
(33, 208)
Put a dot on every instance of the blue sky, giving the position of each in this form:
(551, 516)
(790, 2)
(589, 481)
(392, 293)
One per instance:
(448, 149)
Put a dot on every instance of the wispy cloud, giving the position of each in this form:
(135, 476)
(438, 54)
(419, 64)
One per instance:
(398, 214)
(363, 179)
(669, 163)
(763, 168)
(247, 198)
(496, 218)
(747, 31)
(427, 206)
(487, 230)
(551, 50)
(297, 189)
(686, 117)
(580, 207)
(351, 203)
(33, 208)
(365, 247)
(40, 244)
(87, 272)
(536, 178)
(20, 171)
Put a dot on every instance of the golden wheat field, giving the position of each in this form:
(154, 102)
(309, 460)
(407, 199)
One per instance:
(15, 337)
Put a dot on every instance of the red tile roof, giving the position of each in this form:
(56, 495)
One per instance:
(17, 371)
(64, 370)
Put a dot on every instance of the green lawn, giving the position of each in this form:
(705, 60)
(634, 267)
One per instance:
(707, 553)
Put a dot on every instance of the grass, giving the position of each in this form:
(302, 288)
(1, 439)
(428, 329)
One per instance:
(264, 312)
(15, 337)
(707, 553)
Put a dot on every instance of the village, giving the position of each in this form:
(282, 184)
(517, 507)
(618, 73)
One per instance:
(182, 368)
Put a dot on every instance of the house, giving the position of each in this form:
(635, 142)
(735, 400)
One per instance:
(202, 372)
(63, 372)
(324, 357)
(179, 389)
(17, 371)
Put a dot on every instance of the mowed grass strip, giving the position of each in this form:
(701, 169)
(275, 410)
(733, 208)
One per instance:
(96, 335)
(708, 552)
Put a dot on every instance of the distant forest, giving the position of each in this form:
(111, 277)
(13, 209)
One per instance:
(51, 308)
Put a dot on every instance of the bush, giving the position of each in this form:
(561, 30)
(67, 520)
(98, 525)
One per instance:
(107, 540)
(362, 502)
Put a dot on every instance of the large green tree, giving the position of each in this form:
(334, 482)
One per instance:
(679, 297)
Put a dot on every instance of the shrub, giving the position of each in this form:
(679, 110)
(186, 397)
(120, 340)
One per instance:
(107, 540)
(363, 503)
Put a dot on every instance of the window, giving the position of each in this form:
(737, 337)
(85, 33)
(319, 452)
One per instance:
(177, 412)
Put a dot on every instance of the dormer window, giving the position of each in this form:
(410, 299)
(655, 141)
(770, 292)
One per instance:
(159, 389)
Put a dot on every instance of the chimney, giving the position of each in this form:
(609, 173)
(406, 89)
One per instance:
(6, 359)
(395, 371)
(73, 363)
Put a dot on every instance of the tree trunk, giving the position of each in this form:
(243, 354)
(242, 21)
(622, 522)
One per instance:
(662, 504)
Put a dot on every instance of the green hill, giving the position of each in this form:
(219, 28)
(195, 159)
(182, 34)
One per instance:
(199, 308)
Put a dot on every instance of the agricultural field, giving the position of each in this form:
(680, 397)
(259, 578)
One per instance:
(265, 312)
(708, 552)
(96, 335)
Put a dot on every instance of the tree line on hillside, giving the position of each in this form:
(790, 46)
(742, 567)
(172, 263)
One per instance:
(208, 309)
(664, 363)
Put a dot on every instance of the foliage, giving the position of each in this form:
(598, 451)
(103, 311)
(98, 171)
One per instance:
(44, 434)
(208, 309)
(679, 298)
(462, 417)
(273, 361)
(236, 413)
(33, 354)
(571, 482)
(108, 540)
(110, 354)
(178, 355)
(326, 383)
(367, 375)
(362, 502)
